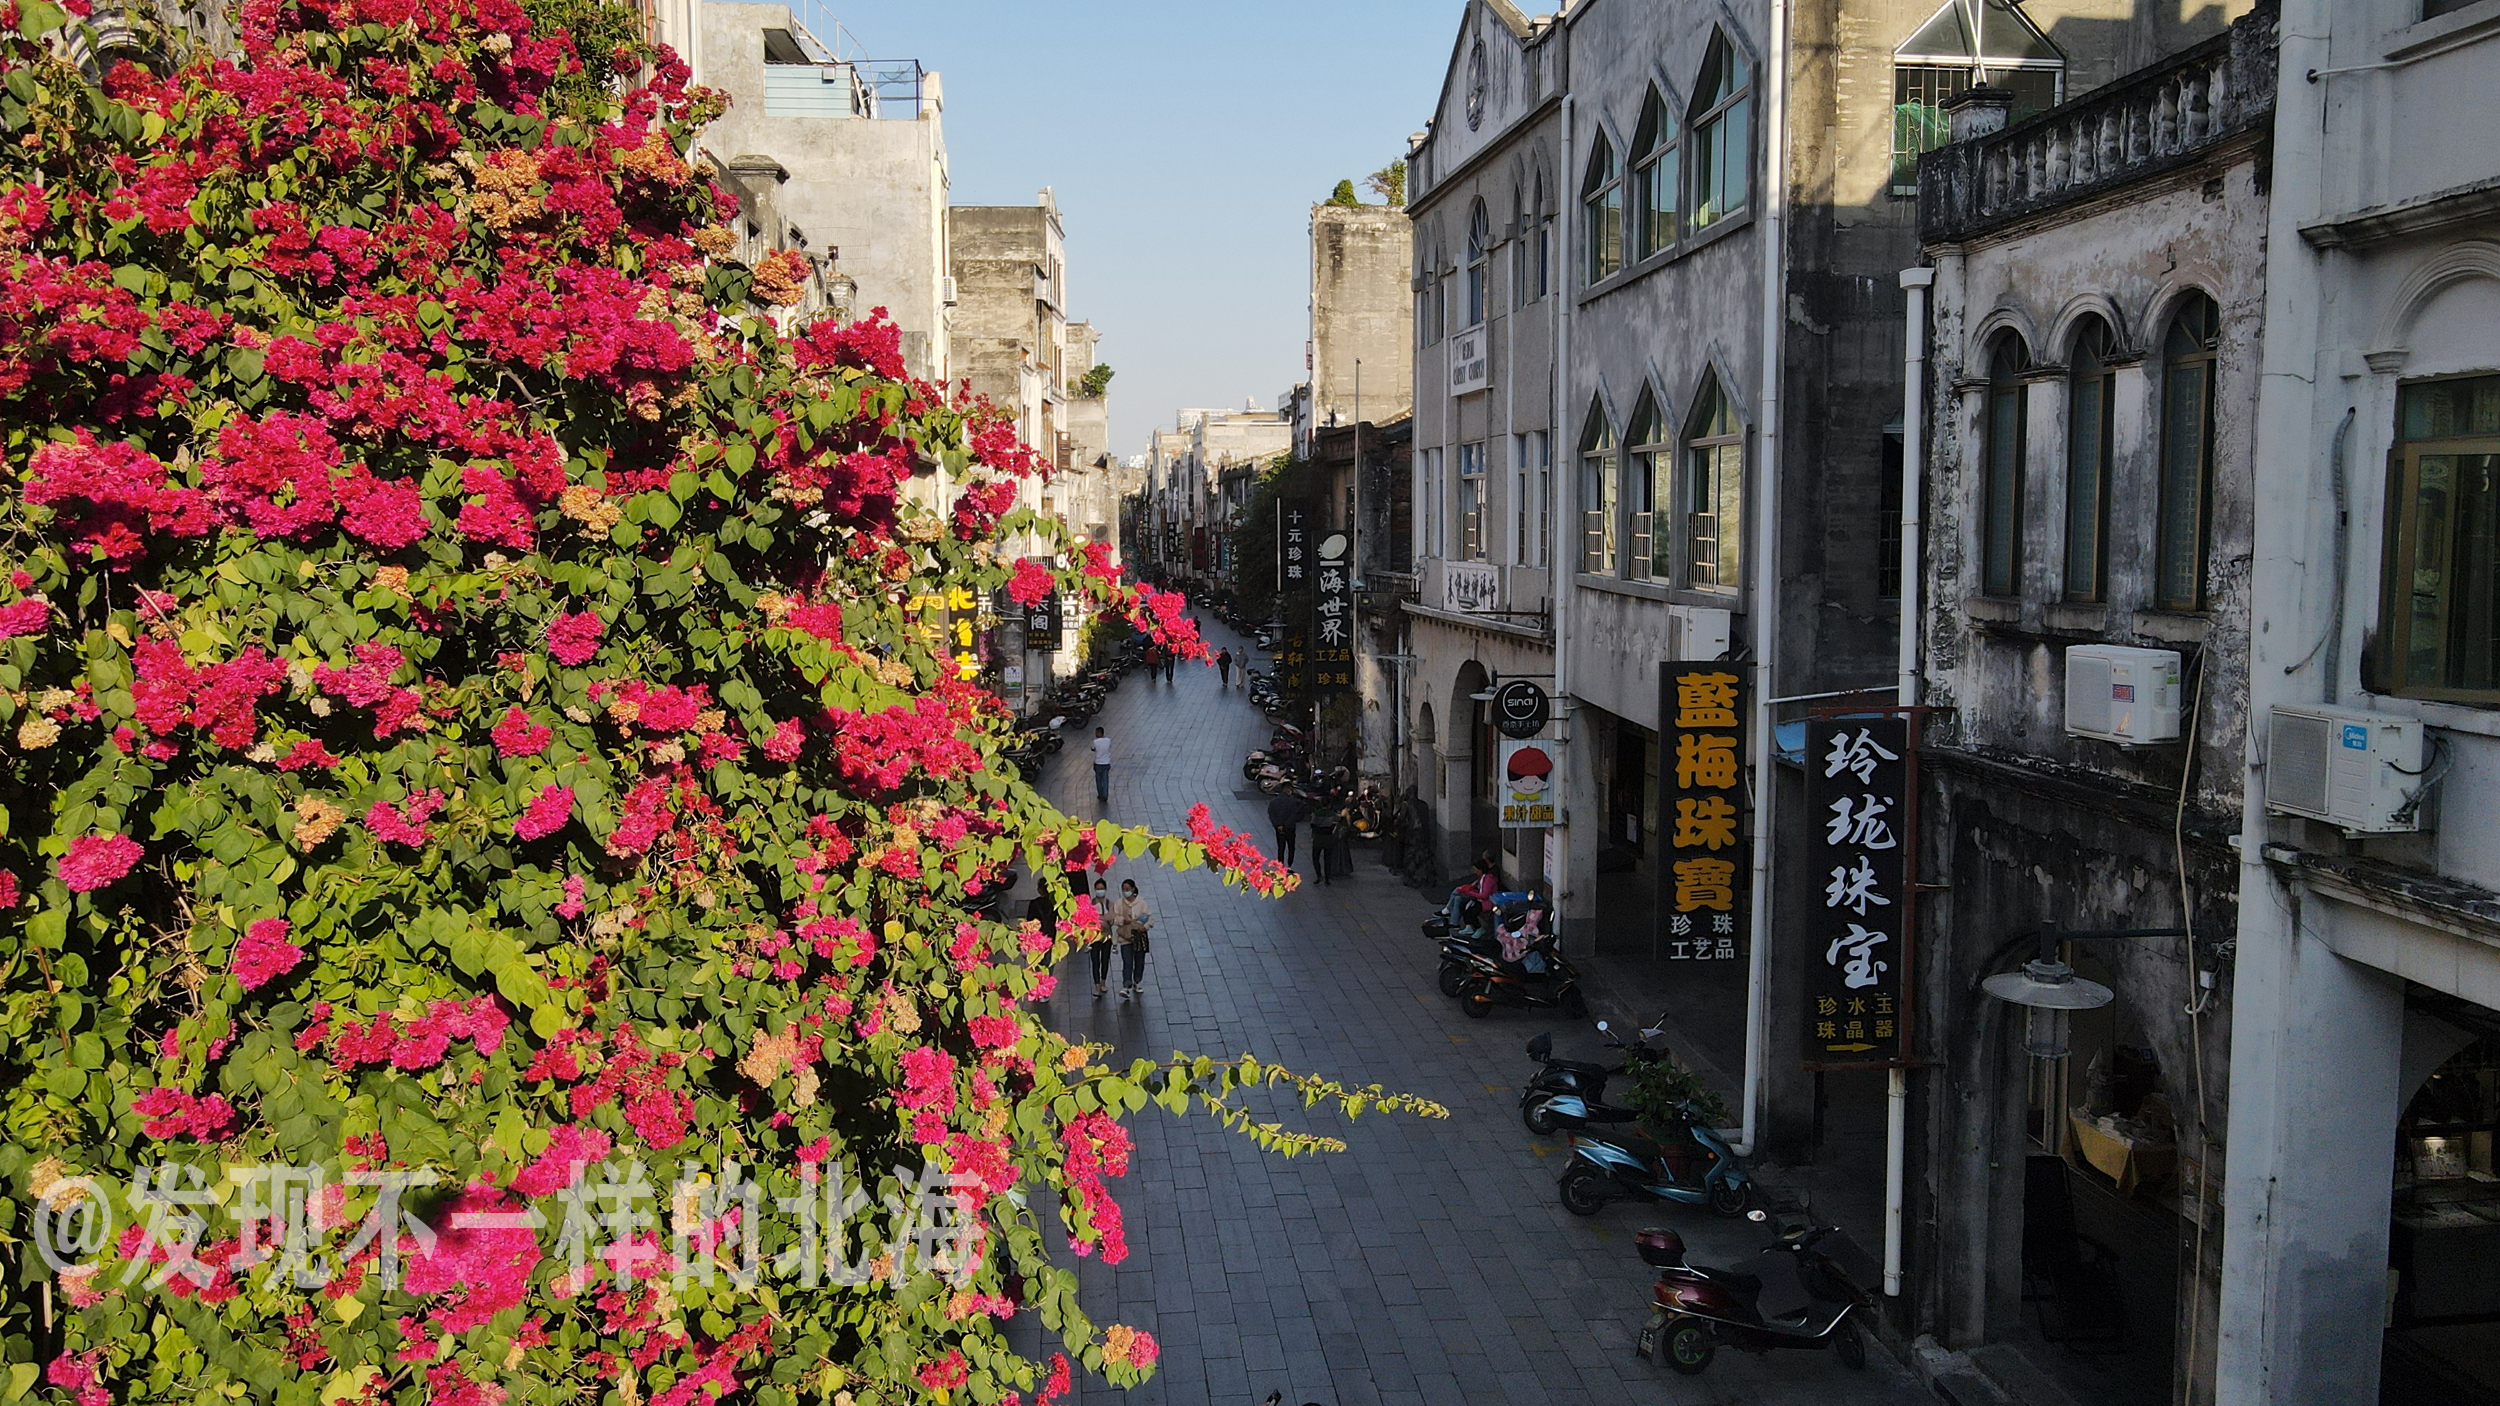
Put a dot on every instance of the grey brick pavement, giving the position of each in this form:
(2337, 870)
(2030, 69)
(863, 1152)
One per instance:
(1430, 1263)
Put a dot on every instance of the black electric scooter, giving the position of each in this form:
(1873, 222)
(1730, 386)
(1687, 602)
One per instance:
(1695, 1310)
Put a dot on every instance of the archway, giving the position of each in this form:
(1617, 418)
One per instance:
(1468, 812)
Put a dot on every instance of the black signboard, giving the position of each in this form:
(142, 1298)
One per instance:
(1858, 845)
(1705, 875)
(1521, 709)
(1294, 525)
(1332, 614)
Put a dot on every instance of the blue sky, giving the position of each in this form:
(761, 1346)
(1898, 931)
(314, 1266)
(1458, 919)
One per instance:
(1186, 142)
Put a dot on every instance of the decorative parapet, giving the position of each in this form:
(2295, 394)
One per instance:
(2158, 119)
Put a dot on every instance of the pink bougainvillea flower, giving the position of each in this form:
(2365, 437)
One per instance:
(546, 815)
(24, 617)
(517, 736)
(264, 954)
(572, 639)
(94, 861)
(1031, 584)
(403, 824)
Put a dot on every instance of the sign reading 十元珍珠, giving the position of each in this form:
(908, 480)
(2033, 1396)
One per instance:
(1705, 869)
(1857, 845)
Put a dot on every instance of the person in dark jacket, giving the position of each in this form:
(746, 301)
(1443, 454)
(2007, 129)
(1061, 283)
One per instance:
(1224, 668)
(1285, 812)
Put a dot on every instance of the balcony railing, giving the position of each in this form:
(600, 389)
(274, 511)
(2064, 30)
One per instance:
(2162, 117)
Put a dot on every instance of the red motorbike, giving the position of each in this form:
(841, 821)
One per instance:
(1696, 1310)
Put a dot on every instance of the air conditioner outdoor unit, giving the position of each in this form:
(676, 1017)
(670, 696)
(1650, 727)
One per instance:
(2347, 767)
(1697, 632)
(2123, 695)
(946, 290)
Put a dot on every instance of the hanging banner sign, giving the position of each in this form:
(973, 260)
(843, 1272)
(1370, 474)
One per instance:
(1705, 873)
(1857, 846)
(1530, 772)
(1332, 615)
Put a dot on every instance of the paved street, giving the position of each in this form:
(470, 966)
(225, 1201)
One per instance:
(1430, 1263)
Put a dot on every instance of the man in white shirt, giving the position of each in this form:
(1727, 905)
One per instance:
(1102, 767)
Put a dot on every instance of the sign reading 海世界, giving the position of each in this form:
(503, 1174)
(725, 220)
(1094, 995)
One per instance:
(1858, 780)
(1705, 871)
(1332, 615)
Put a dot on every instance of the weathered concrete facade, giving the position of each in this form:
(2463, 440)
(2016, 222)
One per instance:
(2365, 962)
(1359, 260)
(865, 149)
(2090, 338)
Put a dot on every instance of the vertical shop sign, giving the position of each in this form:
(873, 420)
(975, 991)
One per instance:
(954, 616)
(1332, 615)
(1293, 545)
(1529, 771)
(1294, 522)
(1705, 869)
(1858, 844)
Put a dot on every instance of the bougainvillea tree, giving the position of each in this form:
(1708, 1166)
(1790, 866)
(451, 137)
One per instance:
(484, 780)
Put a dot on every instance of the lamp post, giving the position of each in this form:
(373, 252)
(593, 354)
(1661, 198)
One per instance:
(2049, 991)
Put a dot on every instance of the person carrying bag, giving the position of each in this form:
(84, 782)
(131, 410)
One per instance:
(1134, 920)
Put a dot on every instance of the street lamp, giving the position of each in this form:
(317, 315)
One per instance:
(2049, 991)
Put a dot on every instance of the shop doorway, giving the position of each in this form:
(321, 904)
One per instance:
(2102, 1219)
(2443, 1243)
(1627, 887)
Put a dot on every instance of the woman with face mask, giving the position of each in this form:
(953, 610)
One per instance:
(1135, 919)
(1100, 950)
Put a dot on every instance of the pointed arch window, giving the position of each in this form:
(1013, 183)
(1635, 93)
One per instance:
(1597, 494)
(1544, 239)
(2190, 353)
(2090, 394)
(1657, 190)
(1602, 197)
(1645, 550)
(1721, 123)
(1712, 509)
(1479, 263)
(2001, 487)
(1440, 291)
(1521, 224)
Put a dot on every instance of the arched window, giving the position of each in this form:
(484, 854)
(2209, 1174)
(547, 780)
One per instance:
(1714, 490)
(1544, 239)
(1645, 550)
(1722, 135)
(1655, 187)
(1479, 263)
(2090, 393)
(1597, 494)
(2001, 483)
(2188, 356)
(1440, 290)
(1520, 227)
(1425, 333)
(1602, 197)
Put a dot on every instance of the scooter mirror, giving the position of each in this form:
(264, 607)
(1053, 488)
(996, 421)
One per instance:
(1603, 1026)
(1757, 1215)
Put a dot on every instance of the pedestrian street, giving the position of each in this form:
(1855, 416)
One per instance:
(1431, 1262)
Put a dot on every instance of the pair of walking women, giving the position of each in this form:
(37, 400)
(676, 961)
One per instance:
(1128, 924)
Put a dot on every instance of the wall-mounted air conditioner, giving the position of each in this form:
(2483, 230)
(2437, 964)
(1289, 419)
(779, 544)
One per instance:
(1697, 632)
(2350, 768)
(2123, 695)
(946, 290)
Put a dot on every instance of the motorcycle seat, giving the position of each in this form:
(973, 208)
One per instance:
(1744, 1286)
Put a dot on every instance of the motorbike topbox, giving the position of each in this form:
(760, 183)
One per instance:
(1660, 1248)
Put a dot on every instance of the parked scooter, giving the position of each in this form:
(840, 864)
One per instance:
(1696, 1310)
(1625, 1163)
(1571, 1093)
(1528, 971)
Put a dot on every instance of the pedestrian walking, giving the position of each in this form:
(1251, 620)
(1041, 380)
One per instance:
(1102, 767)
(1224, 668)
(1098, 949)
(1170, 658)
(1136, 924)
(1326, 818)
(1285, 812)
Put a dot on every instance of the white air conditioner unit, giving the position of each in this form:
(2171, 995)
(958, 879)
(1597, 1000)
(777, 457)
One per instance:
(2346, 767)
(1697, 632)
(2123, 695)
(946, 290)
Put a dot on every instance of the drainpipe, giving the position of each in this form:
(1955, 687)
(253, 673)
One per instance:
(1561, 568)
(1766, 594)
(1915, 282)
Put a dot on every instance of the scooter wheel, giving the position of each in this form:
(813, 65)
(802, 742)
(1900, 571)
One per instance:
(1584, 1194)
(1476, 1004)
(1453, 978)
(1687, 1346)
(1849, 1346)
(1539, 1118)
(1731, 1198)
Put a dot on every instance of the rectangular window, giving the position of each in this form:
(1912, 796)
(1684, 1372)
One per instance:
(1888, 523)
(2186, 467)
(1714, 485)
(1544, 249)
(1522, 524)
(1427, 494)
(1919, 124)
(1542, 445)
(1597, 510)
(1605, 215)
(2442, 610)
(1646, 549)
(1471, 536)
(2433, 9)
(1660, 192)
(2087, 480)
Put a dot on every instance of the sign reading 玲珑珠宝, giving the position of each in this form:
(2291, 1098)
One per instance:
(1858, 843)
(1705, 869)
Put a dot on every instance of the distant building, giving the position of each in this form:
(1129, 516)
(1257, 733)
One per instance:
(1361, 367)
(860, 149)
(1185, 520)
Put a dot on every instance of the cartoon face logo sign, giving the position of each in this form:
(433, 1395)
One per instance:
(1529, 774)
